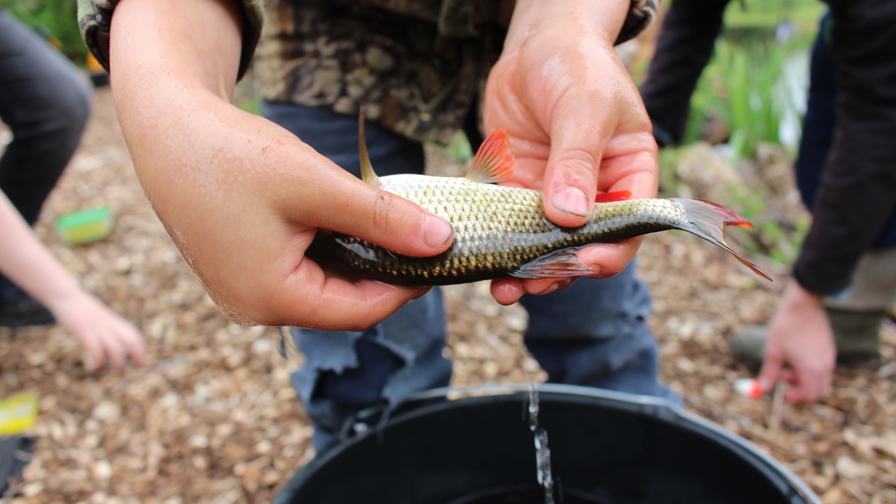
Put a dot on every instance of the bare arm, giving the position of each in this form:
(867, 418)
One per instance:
(28, 263)
(240, 196)
(576, 122)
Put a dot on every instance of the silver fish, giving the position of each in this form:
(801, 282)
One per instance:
(502, 231)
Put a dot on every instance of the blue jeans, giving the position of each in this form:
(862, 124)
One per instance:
(594, 333)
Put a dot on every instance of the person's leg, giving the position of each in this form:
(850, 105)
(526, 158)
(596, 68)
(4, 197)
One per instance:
(857, 313)
(45, 103)
(683, 48)
(345, 372)
(595, 334)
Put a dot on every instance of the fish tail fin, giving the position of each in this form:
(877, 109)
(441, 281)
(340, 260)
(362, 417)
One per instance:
(708, 221)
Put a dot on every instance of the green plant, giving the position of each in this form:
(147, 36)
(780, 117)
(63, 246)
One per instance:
(459, 149)
(55, 20)
(746, 87)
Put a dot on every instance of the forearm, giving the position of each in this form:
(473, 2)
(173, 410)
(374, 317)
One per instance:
(857, 195)
(601, 18)
(174, 67)
(25, 260)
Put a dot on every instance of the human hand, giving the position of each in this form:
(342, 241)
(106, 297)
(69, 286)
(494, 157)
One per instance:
(575, 120)
(800, 337)
(106, 336)
(241, 197)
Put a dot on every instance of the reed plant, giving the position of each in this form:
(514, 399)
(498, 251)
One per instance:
(756, 89)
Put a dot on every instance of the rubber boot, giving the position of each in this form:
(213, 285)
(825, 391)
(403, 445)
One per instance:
(856, 335)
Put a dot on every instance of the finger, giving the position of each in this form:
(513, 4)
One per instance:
(571, 175)
(610, 155)
(507, 291)
(770, 372)
(801, 391)
(333, 302)
(133, 341)
(348, 205)
(633, 171)
(94, 357)
(789, 375)
(114, 351)
(607, 260)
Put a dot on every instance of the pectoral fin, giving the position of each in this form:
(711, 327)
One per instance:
(560, 264)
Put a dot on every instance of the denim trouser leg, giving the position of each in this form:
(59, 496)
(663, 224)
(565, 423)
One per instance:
(593, 333)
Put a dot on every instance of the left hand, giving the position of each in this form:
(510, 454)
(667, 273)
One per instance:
(576, 122)
(106, 336)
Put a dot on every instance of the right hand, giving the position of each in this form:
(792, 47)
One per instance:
(800, 337)
(241, 197)
(575, 120)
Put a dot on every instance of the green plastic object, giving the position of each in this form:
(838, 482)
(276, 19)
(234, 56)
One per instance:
(85, 226)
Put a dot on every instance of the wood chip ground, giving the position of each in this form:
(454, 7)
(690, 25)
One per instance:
(213, 417)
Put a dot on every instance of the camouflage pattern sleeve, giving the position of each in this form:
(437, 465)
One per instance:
(95, 21)
(640, 16)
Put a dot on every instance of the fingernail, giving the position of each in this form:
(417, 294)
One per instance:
(437, 231)
(571, 200)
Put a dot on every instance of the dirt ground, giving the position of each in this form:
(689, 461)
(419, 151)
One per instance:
(213, 417)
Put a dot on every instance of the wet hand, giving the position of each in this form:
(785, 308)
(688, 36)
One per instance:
(241, 197)
(576, 124)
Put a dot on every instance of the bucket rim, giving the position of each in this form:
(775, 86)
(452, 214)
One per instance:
(661, 408)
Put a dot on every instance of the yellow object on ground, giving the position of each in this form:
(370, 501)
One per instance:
(17, 413)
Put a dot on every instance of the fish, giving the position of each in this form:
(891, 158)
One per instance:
(502, 231)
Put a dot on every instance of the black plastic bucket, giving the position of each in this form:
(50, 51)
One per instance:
(606, 448)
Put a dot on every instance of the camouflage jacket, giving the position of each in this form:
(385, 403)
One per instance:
(417, 65)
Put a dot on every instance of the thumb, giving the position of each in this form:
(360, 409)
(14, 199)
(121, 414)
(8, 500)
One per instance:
(358, 209)
(570, 181)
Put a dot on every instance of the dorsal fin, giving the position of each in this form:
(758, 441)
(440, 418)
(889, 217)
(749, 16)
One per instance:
(493, 161)
(367, 173)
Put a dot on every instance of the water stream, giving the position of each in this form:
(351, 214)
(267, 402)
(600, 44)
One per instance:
(542, 452)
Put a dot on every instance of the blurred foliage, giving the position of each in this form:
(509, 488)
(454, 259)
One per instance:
(767, 15)
(750, 96)
(778, 238)
(459, 149)
(246, 95)
(54, 20)
(749, 88)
